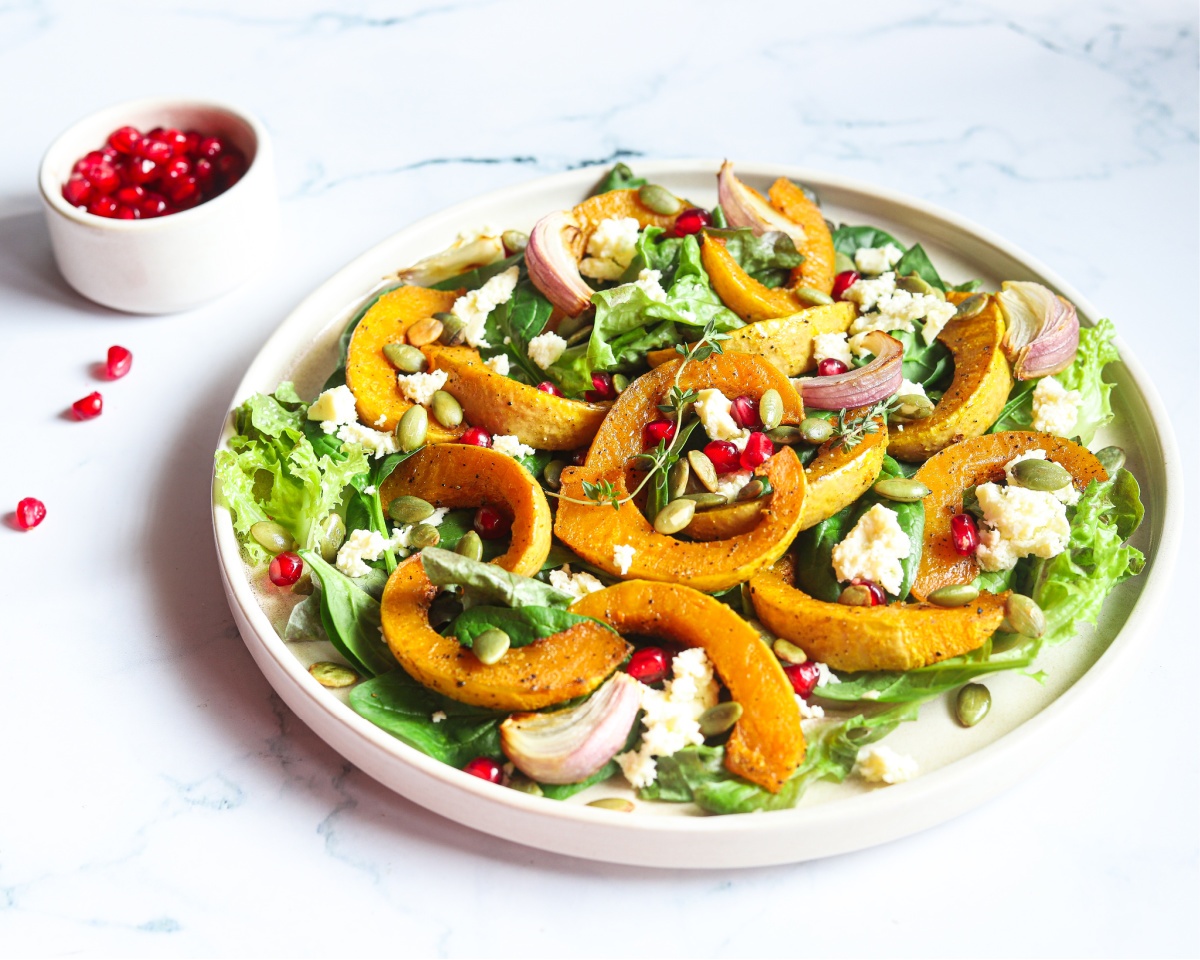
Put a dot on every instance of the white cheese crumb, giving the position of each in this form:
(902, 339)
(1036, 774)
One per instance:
(361, 546)
(611, 248)
(369, 490)
(886, 308)
(1067, 493)
(438, 716)
(578, 585)
(374, 442)
(510, 446)
(868, 293)
(871, 695)
(545, 348)
(1055, 409)
(380, 420)
(825, 676)
(473, 308)
(623, 557)
(712, 407)
(832, 346)
(499, 363)
(729, 484)
(809, 712)
(873, 550)
(908, 388)
(877, 259)
(420, 387)
(333, 408)
(651, 282)
(1019, 523)
(879, 763)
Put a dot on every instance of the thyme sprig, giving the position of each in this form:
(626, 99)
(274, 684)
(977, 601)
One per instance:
(849, 431)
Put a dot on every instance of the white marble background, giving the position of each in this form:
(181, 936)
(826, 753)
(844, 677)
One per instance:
(158, 799)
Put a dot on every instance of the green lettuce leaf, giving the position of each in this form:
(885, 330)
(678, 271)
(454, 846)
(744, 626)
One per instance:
(1096, 349)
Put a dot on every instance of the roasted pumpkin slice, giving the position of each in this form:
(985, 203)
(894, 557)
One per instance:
(968, 464)
(618, 204)
(371, 376)
(898, 636)
(767, 744)
(568, 664)
(503, 405)
(982, 381)
(462, 475)
(817, 271)
(739, 291)
(721, 523)
(838, 475)
(787, 342)
(593, 529)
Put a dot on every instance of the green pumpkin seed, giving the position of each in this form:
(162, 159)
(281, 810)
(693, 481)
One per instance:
(333, 675)
(902, 489)
(786, 435)
(405, 358)
(856, 596)
(752, 491)
(620, 383)
(675, 516)
(704, 470)
(814, 298)
(424, 332)
(445, 607)
(677, 479)
(706, 501)
(491, 646)
(514, 240)
(446, 409)
(954, 595)
(720, 719)
(972, 704)
(409, 509)
(616, 804)
(470, 546)
(331, 534)
(972, 306)
(915, 283)
(659, 199)
(770, 409)
(842, 263)
(522, 784)
(911, 407)
(815, 430)
(1022, 615)
(412, 429)
(1043, 475)
(552, 473)
(579, 335)
(788, 652)
(424, 535)
(271, 536)
(1111, 458)
(454, 330)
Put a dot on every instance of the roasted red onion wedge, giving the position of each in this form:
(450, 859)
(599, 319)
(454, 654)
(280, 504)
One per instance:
(858, 388)
(452, 261)
(745, 207)
(553, 264)
(567, 746)
(1042, 334)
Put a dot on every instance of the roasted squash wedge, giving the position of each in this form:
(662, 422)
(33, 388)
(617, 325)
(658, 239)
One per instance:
(817, 271)
(967, 464)
(462, 475)
(721, 523)
(898, 636)
(977, 394)
(370, 375)
(593, 529)
(837, 475)
(739, 291)
(502, 405)
(618, 204)
(568, 664)
(767, 744)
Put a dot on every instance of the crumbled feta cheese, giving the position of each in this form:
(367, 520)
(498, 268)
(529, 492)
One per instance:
(886, 308)
(361, 546)
(1055, 409)
(832, 346)
(651, 282)
(877, 259)
(333, 408)
(825, 676)
(380, 420)
(438, 716)
(871, 695)
(712, 407)
(729, 485)
(611, 248)
(908, 388)
(473, 308)
(420, 387)
(809, 712)
(623, 557)
(510, 446)
(369, 490)
(499, 364)
(435, 519)
(1019, 523)
(545, 348)
(873, 550)
(868, 293)
(578, 585)
(1067, 493)
(374, 442)
(879, 763)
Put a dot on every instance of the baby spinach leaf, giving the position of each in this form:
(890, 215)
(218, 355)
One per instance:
(620, 177)
(351, 618)
(485, 582)
(931, 365)
(474, 279)
(455, 526)
(768, 258)
(1017, 412)
(917, 261)
(523, 624)
(512, 325)
(561, 791)
(847, 239)
(304, 622)
(338, 377)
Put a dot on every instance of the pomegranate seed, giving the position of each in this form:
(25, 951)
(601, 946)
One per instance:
(604, 389)
(759, 449)
(157, 150)
(155, 205)
(193, 141)
(476, 437)
(878, 597)
(547, 387)
(649, 665)
(657, 430)
(176, 167)
(964, 534)
(178, 141)
(125, 139)
(77, 191)
(579, 457)
(843, 282)
(181, 190)
(103, 176)
(803, 677)
(141, 170)
(745, 412)
(210, 147)
(89, 407)
(30, 512)
(231, 166)
(692, 220)
(285, 569)
(118, 363)
(724, 456)
(831, 367)
(87, 160)
(491, 524)
(203, 169)
(125, 212)
(102, 206)
(485, 768)
(131, 195)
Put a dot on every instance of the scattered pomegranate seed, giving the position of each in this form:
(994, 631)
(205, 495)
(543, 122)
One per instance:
(76, 191)
(724, 456)
(485, 768)
(476, 437)
(964, 534)
(30, 512)
(843, 282)
(692, 220)
(878, 597)
(745, 412)
(89, 407)
(831, 367)
(650, 665)
(759, 449)
(803, 677)
(125, 139)
(657, 430)
(547, 387)
(604, 389)
(491, 524)
(118, 362)
(285, 569)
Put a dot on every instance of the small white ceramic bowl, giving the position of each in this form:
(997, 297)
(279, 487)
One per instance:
(174, 262)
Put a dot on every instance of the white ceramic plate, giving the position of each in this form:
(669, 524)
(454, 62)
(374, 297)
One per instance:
(960, 768)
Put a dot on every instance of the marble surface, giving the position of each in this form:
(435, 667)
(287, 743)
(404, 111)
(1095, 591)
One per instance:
(158, 799)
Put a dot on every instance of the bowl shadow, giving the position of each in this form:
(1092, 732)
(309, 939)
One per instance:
(28, 270)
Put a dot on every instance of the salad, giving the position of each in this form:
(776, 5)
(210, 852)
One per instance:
(705, 501)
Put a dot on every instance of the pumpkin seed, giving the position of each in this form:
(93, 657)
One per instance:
(454, 330)
(720, 719)
(659, 199)
(412, 428)
(409, 509)
(786, 435)
(404, 358)
(552, 473)
(333, 675)
(424, 331)
(522, 784)
(856, 596)
(620, 383)
(424, 535)
(815, 430)
(616, 804)
(579, 335)
(843, 263)
(704, 470)
(788, 652)
(271, 536)
(445, 607)
(954, 595)
(912, 406)
(491, 646)
(677, 480)
(331, 534)
(1043, 475)
(514, 240)
(814, 298)
(470, 546)
(675, 516)
(1022, 615)
(1111, 458)
(706, 501)
(902, 489)
(752, 491)
(915, 283)
(770, 409)
(446, 409)
(972, 306)
(972, 704)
